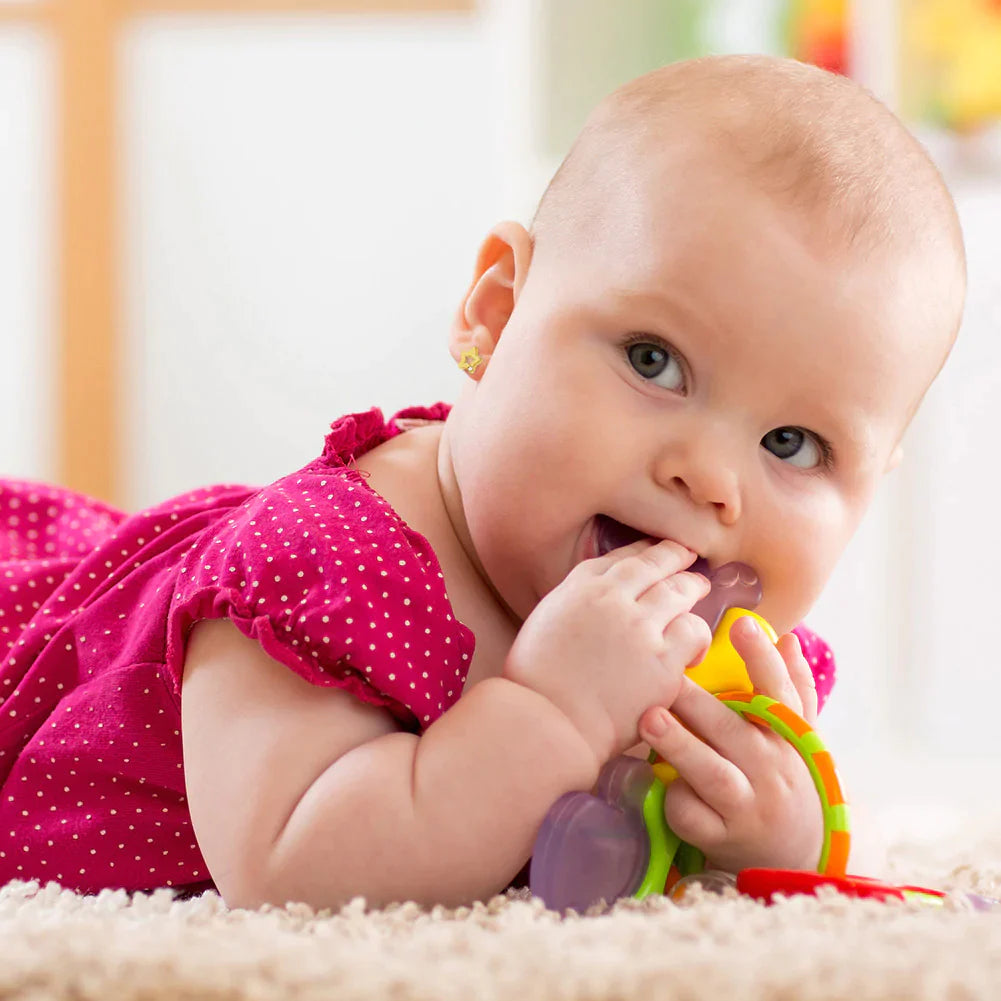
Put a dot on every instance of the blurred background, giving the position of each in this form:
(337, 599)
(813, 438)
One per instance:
(226, 223)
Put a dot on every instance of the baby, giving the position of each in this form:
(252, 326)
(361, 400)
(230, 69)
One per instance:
(385, 667)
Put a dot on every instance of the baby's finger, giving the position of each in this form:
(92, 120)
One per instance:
(718, 782)
(766, 667)
(686, 638)
(640, 565)
(801, 675)
(677, 592)
(691, 818)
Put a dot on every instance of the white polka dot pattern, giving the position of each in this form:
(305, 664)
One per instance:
(818, 655)
(94, 605)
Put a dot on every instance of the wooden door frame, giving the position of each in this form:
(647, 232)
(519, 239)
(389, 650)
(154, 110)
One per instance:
(89, 419)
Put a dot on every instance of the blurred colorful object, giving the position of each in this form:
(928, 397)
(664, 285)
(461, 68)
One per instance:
(951, 61)
(816, 31)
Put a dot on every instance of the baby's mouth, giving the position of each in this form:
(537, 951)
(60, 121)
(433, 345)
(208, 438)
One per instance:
(611, 534)
(734, 585)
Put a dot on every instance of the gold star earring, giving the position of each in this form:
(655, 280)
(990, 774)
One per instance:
(470, 360)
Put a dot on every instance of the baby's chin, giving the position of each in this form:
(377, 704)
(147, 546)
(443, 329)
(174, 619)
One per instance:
(783, 617)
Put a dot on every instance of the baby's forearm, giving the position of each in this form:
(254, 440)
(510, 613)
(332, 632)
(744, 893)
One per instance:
(448, 818)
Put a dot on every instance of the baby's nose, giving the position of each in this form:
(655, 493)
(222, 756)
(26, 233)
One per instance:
(718, 491)
(706, 475)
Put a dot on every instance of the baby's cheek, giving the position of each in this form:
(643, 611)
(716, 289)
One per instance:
(789, 594)
(797, 544)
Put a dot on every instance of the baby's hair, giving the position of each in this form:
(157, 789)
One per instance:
(809, 137)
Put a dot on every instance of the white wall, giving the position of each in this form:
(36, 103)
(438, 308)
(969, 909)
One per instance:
(305, 200)
(26, 247)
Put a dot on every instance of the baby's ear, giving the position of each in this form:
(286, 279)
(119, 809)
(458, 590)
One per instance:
(895, 456)
(501, 266)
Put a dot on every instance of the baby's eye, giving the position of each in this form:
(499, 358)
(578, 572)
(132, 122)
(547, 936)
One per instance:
(653, 360)
(793, 445)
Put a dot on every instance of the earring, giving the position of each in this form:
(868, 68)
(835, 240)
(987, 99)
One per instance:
(470, 360)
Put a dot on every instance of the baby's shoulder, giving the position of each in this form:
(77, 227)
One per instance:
(323, 527)
(335, 585)
(332, 581)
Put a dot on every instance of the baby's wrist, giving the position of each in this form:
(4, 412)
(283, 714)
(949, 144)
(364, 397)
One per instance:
(567, 742)
(596, 735)
(776, 853)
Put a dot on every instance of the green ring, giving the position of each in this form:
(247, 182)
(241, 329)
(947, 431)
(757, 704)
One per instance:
(835, 817)
(665, 844)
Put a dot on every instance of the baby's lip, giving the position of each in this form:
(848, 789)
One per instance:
(607, 534)
(611, 534)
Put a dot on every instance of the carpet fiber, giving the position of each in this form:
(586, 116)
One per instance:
(55, 944)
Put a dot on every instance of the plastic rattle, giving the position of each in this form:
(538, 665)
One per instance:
(617, 843)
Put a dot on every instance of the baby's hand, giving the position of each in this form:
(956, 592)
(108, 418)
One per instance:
(613, 638)
(744, 796)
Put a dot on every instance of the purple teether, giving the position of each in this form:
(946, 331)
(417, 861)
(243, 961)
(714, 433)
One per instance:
(734, 585)
(591, 848)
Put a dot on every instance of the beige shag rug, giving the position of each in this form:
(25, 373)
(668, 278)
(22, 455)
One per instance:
(55, 944)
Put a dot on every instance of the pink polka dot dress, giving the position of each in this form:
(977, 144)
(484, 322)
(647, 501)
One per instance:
(95, 607)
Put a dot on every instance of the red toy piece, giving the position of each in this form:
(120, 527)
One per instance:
(763, 884)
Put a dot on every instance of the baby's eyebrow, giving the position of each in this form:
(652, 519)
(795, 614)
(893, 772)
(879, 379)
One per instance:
(674, 306)
(848, 437)
(634, 297)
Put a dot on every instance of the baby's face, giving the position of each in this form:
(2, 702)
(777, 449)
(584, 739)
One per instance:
(707, 368)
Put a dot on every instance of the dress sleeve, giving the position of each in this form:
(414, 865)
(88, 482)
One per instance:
(821, 660)
(299, 568)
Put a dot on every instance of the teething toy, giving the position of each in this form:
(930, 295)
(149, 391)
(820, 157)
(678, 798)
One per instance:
(617, 843)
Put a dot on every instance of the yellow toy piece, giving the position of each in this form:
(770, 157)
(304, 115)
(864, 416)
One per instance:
(720, 670)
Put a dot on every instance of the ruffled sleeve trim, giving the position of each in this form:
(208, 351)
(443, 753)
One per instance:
(354, 434)
(214, 603)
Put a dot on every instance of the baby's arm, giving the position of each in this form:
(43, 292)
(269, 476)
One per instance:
(299, 792)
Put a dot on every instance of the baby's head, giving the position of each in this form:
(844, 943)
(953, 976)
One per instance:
(735, 293)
